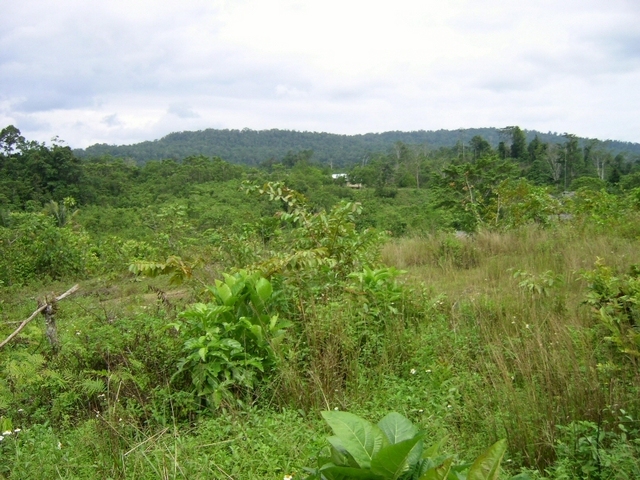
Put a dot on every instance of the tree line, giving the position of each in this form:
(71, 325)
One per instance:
(252, 147)
(33, 173)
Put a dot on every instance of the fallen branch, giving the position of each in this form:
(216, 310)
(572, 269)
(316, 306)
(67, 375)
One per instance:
(39, 310)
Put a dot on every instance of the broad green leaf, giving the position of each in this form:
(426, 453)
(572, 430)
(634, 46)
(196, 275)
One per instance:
(256, 330)
(203, 353)
(5, 424)
(275, 324)
(217, 309)
(224, 292)
(264, 289)
(433, 450)
(438, 473)
(487, 465)
(229, 345)
(230, 280)
(359, 437)
(394, 460)
(339, 454)
(397, 428)
(237, 287)
(334, 472)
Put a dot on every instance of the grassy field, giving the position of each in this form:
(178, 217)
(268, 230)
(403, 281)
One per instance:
(484, 336)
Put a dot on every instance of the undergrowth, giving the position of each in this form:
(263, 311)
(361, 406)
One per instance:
(528, 334)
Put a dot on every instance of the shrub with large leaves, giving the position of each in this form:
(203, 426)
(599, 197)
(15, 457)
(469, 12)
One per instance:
(230, 343)
(394, 449)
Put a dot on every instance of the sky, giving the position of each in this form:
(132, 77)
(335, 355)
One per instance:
(121, 72)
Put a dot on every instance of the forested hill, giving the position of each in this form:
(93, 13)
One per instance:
(251, 147)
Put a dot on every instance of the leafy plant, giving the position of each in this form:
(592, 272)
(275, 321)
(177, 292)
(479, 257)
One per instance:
(176, 267)
(378, 288)
(63, 212)
(518, 203)
(326, 241)
(599, 207)
(598, 451)
(230, 342)
(456, 252)
(615, 301)
(34, 246)
(470, 189)
(394, 449)
(540, 285)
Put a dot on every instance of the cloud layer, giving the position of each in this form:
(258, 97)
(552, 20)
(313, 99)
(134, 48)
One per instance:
(115, 72)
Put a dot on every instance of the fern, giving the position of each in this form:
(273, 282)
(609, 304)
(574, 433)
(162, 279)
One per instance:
(91, 387)
(174, 266)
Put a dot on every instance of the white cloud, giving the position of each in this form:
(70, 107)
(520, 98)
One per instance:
(121, 72)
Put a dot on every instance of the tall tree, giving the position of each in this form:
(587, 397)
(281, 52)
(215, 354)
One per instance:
(555, 161)
(518, 144)
(597, 157)
(572, 158)
(536, 150)
(479, 147)
(10, 140)
(33, 171)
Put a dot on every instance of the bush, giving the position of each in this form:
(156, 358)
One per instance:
(230, 343)
(35, 247)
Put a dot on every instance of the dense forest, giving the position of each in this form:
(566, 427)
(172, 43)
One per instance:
(252, 147)
(450, 305)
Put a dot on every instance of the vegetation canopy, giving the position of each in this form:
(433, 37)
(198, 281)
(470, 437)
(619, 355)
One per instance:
(231, 315)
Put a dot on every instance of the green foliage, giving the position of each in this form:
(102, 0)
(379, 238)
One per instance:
(594, 451)
(456, 252)
(538, 285)
(518, 144)
(230, 343)
(588, 183)
(500, 357)
(34, 247)
(378, 290)
(252, 147)
(518, 203)
(178, 269)
(33, 172)
(394, 449)
(63, 212)
(470, 189)
(599, 207)
(326, 241)
(615, 300)
(114, 254)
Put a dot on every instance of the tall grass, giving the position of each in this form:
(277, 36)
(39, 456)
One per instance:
(539, 353)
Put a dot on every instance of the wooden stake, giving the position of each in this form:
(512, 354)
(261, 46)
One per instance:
(47, 306)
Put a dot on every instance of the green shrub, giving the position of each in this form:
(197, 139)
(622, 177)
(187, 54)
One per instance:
(592, 451)
(34, 246)
(394, 449)
(615, 300)
(231, 342)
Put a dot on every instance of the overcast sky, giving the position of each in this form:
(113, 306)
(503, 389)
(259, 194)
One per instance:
(123, 72)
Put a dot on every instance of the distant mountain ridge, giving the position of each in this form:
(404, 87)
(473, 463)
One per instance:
(251, 147)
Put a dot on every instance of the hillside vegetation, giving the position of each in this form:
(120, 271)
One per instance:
(252, 147)
(489, 296)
